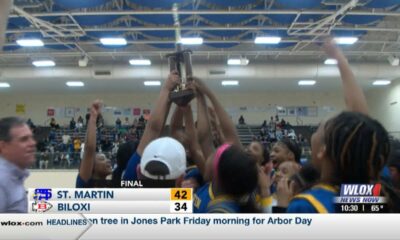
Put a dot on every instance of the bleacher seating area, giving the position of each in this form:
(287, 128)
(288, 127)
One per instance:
(53, 154)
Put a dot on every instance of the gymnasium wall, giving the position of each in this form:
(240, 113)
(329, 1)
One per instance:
(385, 106)
(255, 106)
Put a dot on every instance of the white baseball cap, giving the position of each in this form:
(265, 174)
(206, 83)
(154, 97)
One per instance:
(167, 151)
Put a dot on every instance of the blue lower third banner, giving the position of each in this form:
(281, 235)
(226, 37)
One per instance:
(201, 226)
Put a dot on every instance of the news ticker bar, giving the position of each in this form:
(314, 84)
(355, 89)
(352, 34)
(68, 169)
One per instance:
(199, 226)
(120, 201)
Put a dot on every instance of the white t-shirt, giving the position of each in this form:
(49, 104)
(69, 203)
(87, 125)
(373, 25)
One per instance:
(292, 135)
(66, 138)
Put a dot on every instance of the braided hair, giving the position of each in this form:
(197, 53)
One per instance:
(357, 147)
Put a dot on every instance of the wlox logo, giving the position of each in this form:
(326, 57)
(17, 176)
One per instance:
(348, 190)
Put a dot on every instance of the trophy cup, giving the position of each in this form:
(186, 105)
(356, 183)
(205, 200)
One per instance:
(181, 62)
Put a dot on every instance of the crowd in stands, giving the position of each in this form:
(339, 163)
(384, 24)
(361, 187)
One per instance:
(63, 147)
(277, 130)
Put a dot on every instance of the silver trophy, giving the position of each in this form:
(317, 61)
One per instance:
(180, 61)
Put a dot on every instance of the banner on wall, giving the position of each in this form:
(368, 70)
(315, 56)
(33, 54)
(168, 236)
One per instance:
(20, 108)
(77, 111)
(69, 112)
(281, 111)
(328, 109)
(127, 111)
(291, 111)
(302, 111)
(117, 112)
(60, 112)
(51, 112)
(312, 111)
(136, 111)
(107, 109)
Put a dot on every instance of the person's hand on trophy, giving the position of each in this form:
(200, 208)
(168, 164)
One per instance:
(172, 82)
(180, 62)
(190, 84)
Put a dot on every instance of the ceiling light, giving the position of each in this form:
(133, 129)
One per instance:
(4, 85)
(234, 61)
(140, 62)
(192, 41)
(381, 82)
(75, 84)
(330, 61)
(152, 83)
(345, 40)
(30, 43)
(230, 83)
(267, 40)
(306, 82)
(113, 41)
(44, 63)
(83, 61)
(238, 61)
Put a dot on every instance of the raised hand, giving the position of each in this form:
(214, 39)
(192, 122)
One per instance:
(192, 86)
(353, 94)
(264, 182)
(95, 110)
(172, 81)
(331, 49)
(284, 192)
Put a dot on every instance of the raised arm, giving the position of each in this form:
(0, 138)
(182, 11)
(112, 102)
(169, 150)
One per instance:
(194, 146)
(89, 154)
(353, 94)
(176, 122)
(156, 122)
(203, 126)
(215, 126)
(218, 138)
(226, 124)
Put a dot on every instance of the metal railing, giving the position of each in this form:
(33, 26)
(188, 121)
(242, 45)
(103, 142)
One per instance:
(63, 160)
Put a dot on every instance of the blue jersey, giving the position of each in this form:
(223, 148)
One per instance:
(130, 170)
(92, 183)
(385, 175)
(223, 205)
(202, 198)
(319, 199)
(194, 172)
(80, 183)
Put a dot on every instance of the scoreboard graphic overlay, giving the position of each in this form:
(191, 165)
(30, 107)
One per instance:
(116, 201)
